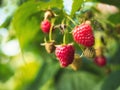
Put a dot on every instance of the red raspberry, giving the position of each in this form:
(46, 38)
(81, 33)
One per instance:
(65, 54)
(45, 26)
(83, 35)
(100, 61)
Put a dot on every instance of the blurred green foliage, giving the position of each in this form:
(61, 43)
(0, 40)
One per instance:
(34, 69)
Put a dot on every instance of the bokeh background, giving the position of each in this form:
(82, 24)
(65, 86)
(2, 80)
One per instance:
(24, 63)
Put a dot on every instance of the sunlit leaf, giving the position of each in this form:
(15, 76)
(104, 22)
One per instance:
(27, 19)
(77, 5)
(47, 71)
(118, 88)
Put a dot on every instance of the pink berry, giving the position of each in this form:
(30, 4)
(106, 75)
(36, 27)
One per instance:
(100, 61)
(65, 54)
(83, 35)
(45, 26)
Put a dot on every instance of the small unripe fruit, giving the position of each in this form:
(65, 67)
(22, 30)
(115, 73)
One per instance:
(100, 61)
(89, 52)
(50, 47)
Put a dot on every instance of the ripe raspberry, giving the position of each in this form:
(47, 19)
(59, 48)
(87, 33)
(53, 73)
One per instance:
(83, 35)
(100, 61)
(45, 26)
(65, 54)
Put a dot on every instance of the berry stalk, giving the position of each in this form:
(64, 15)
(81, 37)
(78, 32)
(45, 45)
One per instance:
(72, 20)
(50, 34)
(64, 38)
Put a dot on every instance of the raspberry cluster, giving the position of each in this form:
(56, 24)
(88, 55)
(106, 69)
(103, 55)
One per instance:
(66, 54)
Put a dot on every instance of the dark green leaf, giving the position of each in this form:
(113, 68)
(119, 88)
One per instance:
(114, 18)
(112, 82)
(5, 72)
(112, 2)
(0, 2)
(76, 81)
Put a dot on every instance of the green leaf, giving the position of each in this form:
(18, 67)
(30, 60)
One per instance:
(112, 82)
(118, 88)
(76, 81)
(114, 18)
(6, 23)
(49, 85)
(112, 2)
(76, 5)
(98, 86)
(46, 73)
(115, 59)
(27, 19)
(5, 72)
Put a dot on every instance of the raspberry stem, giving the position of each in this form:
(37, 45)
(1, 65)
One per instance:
(64, 38)
(65, 31)
(72, 20)
(45, 40)
(81, 48)
(50, 34)
(70, 27)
